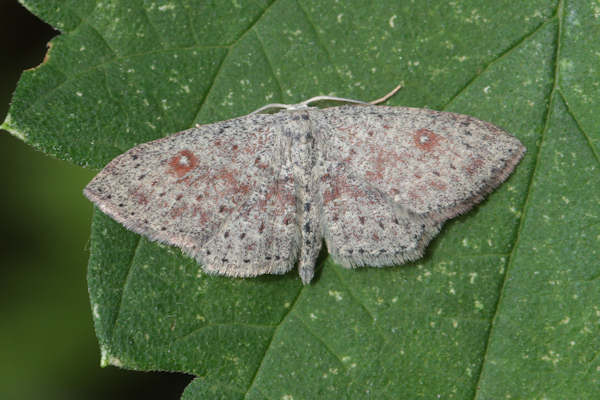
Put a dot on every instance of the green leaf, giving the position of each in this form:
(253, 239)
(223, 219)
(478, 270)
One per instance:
(505, 303)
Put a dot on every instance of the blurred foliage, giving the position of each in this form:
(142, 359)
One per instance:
(49, 350)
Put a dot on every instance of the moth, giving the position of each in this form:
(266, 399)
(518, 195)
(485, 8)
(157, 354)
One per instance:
(260, 193)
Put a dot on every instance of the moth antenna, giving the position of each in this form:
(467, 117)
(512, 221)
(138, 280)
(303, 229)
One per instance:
(272, 105)
(305, 103)
(387, 96)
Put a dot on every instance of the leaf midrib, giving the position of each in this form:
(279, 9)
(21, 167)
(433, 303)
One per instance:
(525, 208)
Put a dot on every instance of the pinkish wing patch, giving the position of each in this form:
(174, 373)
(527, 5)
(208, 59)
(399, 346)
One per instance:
(185, 189)
(431, 163)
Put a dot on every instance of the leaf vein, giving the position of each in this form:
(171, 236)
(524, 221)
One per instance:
(268, 347)
(115, 59)
(152, 27)
(525, 207)
(192, 25)
(317, 37)
(361, 304)
(264, 50)
(322, 341)
(497, 59)
(123, 110)
(580, 127)
(125, 285)
(82, 19)
(229, 49)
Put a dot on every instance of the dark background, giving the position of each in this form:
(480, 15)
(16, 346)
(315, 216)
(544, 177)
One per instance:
(48, 349)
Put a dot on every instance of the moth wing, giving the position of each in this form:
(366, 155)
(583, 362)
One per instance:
(428, 165)
(435, 164)
(260, 236)
(363, 227)
(185, 189)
